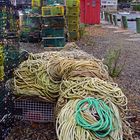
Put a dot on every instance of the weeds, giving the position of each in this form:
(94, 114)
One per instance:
(82, 30)
(112, 61)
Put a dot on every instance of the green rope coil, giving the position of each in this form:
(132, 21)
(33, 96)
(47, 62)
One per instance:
(94, 115)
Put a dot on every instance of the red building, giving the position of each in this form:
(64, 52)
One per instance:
(90, 11)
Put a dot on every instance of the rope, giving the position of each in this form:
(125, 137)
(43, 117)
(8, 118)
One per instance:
(43, 78)
(93, 114)
(31, 79)
(80, 88)
(69, 81)
(59, 69)
(68, 128)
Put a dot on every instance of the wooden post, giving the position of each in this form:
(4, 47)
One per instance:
(108, 17)
(105, 13)
(124, 22)
(115, 20)
(111, 19)
(138, 25)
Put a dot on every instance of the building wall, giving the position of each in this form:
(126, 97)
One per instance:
(110, 5)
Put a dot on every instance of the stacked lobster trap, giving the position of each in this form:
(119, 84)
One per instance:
(13, 57)
(73, 19)
(3, 20)
(53, 34)
(7, 108)
(30, 29)
(1, 62)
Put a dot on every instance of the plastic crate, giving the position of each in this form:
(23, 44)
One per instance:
(52, 32)
(34, 110)
(36, 3)
(73, 3)
(73, 27)
(73, 11)
(54, 21)
(54, 42)
(72, 19)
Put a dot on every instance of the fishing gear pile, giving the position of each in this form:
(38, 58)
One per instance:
(89, 106)
(100, 110)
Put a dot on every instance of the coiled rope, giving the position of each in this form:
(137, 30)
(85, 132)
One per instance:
(93, 114)
(31, 79)
(59, 68)
(41, 78)
(68, 128)
(71, 81)
(82, 87)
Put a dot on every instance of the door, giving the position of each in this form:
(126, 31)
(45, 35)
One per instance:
(90, 11)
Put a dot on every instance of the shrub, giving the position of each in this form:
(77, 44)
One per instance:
(136, 7)
(112, 61)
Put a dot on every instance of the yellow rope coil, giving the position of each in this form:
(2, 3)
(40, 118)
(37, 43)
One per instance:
(67, 128)
(60, 68)
(31, 79)
(92, 87)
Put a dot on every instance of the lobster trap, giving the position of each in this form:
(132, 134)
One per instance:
(6, 101)
(34, 110)
(6, 110)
